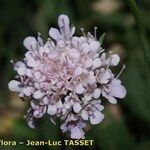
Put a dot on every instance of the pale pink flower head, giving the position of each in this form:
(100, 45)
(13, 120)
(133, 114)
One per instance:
(66, 78)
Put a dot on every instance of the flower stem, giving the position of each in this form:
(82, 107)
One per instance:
(142, 33)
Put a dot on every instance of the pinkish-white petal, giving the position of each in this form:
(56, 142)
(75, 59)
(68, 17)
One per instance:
(77, 71)
(94, 46)
(19, 64)
(77, 133)
(84, 114)
(77, 107)
(61, 43)
(64, 127)
(88, 63)
(105, 77)
(38, 94)
(63, 22)
(96, 93)
(91, 79)
(96, 118)
(73, 53)
(28, 91)
(79, 89)
(111, 99)
(118, 90)
(37, 114)
(14, 86)
(51, 109)
(30, 43)
(96, 63)
(115, 59)
(85, 48)
(54, 33)
(73, 30)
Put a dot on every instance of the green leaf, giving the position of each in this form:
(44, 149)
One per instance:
(101, 39)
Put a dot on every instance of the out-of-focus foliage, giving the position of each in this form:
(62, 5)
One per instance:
(126, 125)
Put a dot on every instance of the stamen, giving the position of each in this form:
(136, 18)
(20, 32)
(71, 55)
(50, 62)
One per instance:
(52, 120)
(110, 53)
(39, 34)
(95, 32)
(82, 30)
(11, 61)
(50, 41)
(123, 67)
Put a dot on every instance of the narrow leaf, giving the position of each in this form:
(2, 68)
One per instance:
(101, 39)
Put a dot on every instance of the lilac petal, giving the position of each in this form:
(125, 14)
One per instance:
(96, 63)
(28, 91)
(55, 34)
(30, 43)
(88, 63)
(31, 123)
(79, 89)
(106, 76)
(96, 118)
(73, 53)
(111, 99)
(19, 64)
(96, 93)
(37, 114)
(38, 94)
(73, 30)
(84, 114)
(115, 59)
(94, 46)
(77, 133)
(77, 107)
(13, 85)
(63, 127)
(51, 109)
(77, 71)
(117, 90)
(91, 79)
(63, 22)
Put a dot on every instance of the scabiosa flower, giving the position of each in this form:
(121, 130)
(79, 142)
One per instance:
(66, 78)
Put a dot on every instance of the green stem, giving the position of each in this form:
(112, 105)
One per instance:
(142, 32)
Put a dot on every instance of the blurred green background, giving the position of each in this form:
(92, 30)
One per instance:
(127, 124)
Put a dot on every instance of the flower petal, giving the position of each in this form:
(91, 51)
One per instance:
(13, 85)
(105, 77)
(96, 118)
(117, 90)
(96, 63)
(38, 94)
(63, 22)
(79, 89)
(30, 43)
(28, 91)
(51, 109)
(115, 59)
(77, 133)
(77, 107)
(55, 34)
(84, 114)
(96, 93)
